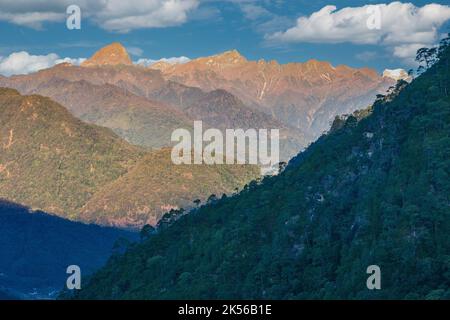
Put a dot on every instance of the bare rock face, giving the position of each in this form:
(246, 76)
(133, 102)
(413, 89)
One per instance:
(113, 54)
(160, 65)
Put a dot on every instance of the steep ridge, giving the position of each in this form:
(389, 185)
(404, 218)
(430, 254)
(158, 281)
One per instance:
(373, 191)
(303, 95)
(138, 120)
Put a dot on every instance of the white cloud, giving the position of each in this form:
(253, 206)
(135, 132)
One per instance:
(123, 16)
(135, 51)
(33, 14)
(260, 18)
(252, 11)
(112, 15)
(403, 26)
(32, 19)
(74, 61)
(172, 60)
(22, 62)
(407, 52)
(366, 55)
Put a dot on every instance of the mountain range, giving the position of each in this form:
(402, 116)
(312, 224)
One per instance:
(305, 96)
(54, 162)
(373, 191)
(59, 157)
(144, 104)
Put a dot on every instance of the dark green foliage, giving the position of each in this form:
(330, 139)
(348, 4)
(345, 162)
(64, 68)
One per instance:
(375, 190)
(36, 248)
(146, 232)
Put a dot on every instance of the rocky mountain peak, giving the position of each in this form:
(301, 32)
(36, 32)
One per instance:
(317, 65)
(113, 54)
(229, 57)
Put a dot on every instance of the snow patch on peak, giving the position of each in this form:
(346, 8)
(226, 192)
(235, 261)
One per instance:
(397, 74)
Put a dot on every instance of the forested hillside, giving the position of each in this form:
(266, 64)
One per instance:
(374, 191)
(36, 248)
(52, 161)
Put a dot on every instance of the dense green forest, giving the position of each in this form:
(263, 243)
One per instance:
(36, 248)
(374, 190)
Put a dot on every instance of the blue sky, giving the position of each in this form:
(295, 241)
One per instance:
(258, 29)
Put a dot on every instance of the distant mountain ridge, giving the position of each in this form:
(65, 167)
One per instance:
(52, 161)
(305, 95)
(300, 99)
(138, 120)
(117, 95)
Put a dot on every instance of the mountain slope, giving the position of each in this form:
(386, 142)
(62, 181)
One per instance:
(222, 110)
(138, 120)
(36, 248)
(374, 191)
(155, 186)
(113, 54)
(51, 160)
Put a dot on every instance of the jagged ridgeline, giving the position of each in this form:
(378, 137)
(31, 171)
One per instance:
(373, 191)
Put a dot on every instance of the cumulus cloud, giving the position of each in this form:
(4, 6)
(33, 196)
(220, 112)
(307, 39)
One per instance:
(366, 56)
(22, 62)
(171, 60)
(402, 28)
(123, 16)
(407, 52)
(112, 15)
